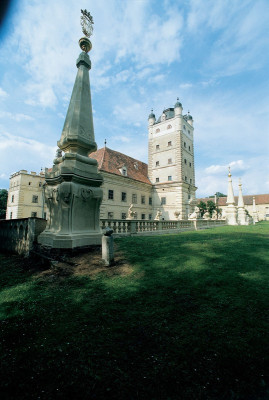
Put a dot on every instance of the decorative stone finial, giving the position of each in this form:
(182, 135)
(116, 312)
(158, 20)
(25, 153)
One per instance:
(86, 22)
(105, 142)
(229, 169)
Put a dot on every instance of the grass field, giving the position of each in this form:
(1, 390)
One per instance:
(178, 317)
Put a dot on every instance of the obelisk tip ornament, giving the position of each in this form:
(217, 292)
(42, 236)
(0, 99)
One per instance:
(86, 22)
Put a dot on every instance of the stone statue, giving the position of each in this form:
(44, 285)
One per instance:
(158, 215)
(195, 214)
(177, 214)
(206, 215)
(131, 213)
(214, 215)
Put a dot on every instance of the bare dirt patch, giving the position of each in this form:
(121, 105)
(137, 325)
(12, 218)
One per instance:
(86, 264)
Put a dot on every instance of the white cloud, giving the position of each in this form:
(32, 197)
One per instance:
(185, 85)
(16, 116)
(238, 165)
(17, 152)
(121, 138)
(3, 93)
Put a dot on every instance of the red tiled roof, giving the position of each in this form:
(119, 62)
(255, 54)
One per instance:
(248, 199)
(111, 161)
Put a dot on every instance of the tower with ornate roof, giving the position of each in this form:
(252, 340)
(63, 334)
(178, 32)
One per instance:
(171, 162)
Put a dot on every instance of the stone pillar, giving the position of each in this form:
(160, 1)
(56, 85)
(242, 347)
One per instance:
(254, 211)
(242, 216)
(231, 212)
(73, 194)
(108, 247)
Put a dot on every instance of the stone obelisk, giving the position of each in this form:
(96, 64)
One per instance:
(231, 212)
(254, 211)
(241, 212)
(73, 194)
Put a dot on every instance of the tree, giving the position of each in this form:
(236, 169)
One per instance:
(3, 203)
(210, 206)
(202, 207)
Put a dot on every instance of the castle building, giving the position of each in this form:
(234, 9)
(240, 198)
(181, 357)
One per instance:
(165, 186)
(26, 195)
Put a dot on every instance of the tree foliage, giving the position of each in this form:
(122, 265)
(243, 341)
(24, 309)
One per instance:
(202, 207)
(3, 203)
(210, 206)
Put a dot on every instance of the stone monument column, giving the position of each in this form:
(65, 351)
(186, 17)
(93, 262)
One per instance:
(231, 212)
(242, 216)
(254, 211)
(73, 194)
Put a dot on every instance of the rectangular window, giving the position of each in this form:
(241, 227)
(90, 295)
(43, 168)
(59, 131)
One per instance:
(134, 198)
(45, 215)
(169, 144)
(157, 147)
(123, 215)
(186, 178)
(135, 215)
(34, 199)
(188, 132)
(40, 184)
(33, 214)
(190, 181)
(190, 164)
(143, 216)
(157, 179)
(123, 196)
(169, 160)
(150, 201)
(163, 201)
(157, 163)
(10, 215)
(184, 144)
(150, 216)
(110, 194)
(12, 199)
(143, 200)
(110, 215)
(169, 177)
(189, 148)
(185, 161)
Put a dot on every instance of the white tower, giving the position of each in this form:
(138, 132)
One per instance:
(231, 212)
(171, 162)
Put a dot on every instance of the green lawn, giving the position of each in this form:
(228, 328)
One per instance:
(179, 317)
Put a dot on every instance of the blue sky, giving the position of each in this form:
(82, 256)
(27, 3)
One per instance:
(212, 54)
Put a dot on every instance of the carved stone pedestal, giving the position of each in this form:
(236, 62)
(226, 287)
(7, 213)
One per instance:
(73, 216)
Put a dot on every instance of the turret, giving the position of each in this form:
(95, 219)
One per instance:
(151, 118)
(190, 119)
(178, 108)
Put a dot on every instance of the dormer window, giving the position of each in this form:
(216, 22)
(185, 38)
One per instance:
(123, 171)
(136, 165)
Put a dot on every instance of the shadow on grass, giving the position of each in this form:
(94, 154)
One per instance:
(190, 320)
